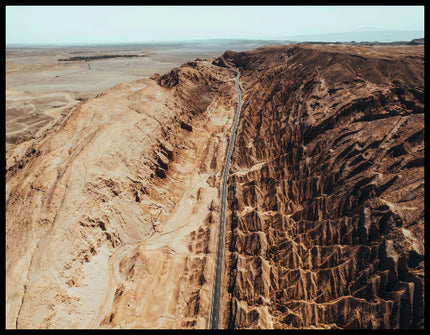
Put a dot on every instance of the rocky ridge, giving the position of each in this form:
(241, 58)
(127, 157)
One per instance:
(110, 213)
(326, 190)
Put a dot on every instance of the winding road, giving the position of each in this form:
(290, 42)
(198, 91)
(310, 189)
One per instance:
(219, 262)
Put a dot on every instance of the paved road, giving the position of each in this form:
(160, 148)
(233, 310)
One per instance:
(219, 263)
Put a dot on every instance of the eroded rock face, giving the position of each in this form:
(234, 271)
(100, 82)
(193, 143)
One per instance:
(326, 190)
(111, 213)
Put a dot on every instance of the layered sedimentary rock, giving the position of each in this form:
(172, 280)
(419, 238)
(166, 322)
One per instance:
(326, 191)
(111, 213)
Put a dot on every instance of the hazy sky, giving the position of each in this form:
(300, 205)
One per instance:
(127, 24)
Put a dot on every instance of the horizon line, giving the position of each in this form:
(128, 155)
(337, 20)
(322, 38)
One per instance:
(291, 39)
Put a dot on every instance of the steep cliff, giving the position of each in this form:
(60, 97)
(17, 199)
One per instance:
(326, 191)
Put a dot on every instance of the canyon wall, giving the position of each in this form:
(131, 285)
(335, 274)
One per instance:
(326, 189)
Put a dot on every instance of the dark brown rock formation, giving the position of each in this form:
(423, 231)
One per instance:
(327, 189)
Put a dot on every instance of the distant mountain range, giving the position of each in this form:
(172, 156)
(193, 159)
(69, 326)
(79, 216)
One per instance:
(361, 36)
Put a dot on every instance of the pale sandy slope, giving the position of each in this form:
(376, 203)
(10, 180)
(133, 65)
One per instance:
(93, 237)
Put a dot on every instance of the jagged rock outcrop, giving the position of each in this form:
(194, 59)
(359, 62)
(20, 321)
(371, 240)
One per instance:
(326, 191)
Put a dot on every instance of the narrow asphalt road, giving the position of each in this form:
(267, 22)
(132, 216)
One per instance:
(219, 262)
